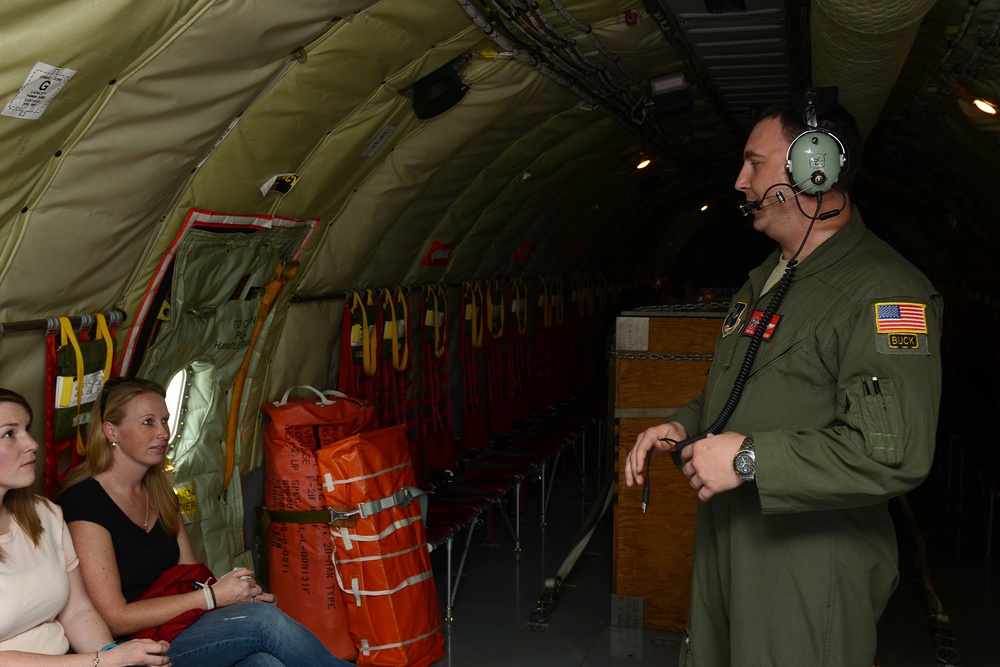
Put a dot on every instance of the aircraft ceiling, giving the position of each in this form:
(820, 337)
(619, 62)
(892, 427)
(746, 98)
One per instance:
(160, 108)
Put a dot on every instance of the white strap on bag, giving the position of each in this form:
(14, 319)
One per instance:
(325, 397)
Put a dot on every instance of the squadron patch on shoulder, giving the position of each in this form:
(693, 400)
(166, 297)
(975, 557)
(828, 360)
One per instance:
(755, 319)
(732, 322)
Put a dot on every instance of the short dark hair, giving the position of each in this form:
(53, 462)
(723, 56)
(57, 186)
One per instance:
(836, 120)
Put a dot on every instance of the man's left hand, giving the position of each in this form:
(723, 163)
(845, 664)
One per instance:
(708, 464)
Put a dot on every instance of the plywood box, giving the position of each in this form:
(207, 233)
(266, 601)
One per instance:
(660, 362)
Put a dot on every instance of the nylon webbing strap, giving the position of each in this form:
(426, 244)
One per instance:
(401, 498)
(326, 516)
(67, 336)
(284, 272)
(367, 648)
(392, 329)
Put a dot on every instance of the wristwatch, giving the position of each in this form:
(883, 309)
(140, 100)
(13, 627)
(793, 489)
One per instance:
(745, 461)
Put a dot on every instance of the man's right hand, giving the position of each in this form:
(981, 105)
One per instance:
(649, 439)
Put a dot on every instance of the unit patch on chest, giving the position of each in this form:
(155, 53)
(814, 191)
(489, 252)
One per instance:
(754, 322)
(734, 318)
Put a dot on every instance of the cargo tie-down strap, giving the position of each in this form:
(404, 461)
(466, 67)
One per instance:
(332, 515)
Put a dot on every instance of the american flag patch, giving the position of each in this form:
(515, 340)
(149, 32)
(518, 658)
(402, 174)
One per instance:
(900, 317)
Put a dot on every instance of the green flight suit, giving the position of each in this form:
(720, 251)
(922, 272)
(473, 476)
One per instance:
(796, 568)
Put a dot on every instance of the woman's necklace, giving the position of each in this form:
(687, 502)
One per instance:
(145, 521)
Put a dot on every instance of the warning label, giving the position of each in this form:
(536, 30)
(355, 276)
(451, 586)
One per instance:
(38, 90)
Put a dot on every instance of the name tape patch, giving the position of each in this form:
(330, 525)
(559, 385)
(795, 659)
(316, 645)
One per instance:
(755, 319)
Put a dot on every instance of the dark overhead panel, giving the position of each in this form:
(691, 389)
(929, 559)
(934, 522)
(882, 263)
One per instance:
(741, 49)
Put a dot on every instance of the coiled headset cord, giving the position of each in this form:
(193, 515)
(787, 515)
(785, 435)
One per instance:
(751, 354)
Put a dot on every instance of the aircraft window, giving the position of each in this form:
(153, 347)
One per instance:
(175, 405)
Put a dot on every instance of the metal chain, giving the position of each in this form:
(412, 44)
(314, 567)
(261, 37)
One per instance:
(680, 307)
(656, 356)
(703, 306)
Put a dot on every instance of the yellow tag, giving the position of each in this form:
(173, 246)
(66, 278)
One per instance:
(187, 499)
(470, 310)
(356, 335)
(65, 391)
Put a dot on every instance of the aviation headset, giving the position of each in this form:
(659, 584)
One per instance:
(816, 158)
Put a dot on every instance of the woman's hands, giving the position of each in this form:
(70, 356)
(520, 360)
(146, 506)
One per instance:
(239, 586)
(136, 652)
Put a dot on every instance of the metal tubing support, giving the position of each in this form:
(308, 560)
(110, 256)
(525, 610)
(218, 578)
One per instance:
(448, 616)
(461, 566)
(543, 495)
(551, 483)
(517, 517)
(989, 527)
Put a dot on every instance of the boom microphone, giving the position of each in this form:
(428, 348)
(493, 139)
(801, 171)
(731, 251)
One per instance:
(757, 204)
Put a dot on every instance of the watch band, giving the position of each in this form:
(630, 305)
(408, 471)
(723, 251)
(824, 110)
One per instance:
(745, 461)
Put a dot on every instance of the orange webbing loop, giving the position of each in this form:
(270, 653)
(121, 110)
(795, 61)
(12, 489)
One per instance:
(392, 328)
(440, 323)
(368, 348)
(284, 272)
(492, 309)
(519, 303)
(474, 312)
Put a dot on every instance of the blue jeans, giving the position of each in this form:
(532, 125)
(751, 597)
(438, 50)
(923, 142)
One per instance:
(252, 634)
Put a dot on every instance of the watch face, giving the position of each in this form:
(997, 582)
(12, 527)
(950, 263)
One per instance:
(745, 463)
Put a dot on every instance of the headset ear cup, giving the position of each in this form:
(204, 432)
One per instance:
(815, 160)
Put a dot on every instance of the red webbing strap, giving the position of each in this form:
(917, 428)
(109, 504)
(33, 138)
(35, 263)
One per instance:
(434, 399)
(435, 359)
(496, 349)
(542, 353)
(517, 367)
(359, 347)
(53, 449)
(470, 347)
(562, 341)
(396, 379)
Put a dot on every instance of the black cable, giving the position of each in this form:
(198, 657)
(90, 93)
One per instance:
(743, 375)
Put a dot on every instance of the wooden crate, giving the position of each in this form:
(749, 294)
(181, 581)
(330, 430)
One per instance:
(653, 551)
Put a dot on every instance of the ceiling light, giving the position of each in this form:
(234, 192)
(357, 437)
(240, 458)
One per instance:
(643, 163)
(704, 208)
(984, 106)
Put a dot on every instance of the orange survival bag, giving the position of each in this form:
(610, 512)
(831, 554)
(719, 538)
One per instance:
(295, 526)
(383, 568)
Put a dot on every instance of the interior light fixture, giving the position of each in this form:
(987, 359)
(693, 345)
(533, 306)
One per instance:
(984, 106)
(643, 162)
(704, 208)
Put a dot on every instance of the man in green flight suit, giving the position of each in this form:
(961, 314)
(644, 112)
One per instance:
(795, 551)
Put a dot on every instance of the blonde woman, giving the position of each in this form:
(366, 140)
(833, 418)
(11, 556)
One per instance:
(45, 610)
(125, 522)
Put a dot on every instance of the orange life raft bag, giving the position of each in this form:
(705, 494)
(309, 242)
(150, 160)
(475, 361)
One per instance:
(382, 564)
(295, 525)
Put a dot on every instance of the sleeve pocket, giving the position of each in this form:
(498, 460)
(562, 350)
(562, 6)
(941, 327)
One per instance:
(876, 415)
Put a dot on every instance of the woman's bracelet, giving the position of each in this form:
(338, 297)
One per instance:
(209, 598)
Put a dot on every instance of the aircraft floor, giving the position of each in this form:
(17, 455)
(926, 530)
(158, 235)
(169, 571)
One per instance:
(499, 589)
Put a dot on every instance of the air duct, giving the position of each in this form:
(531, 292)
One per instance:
(860, 46)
